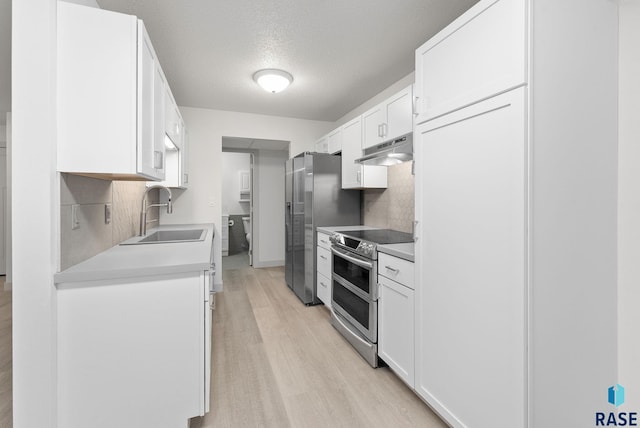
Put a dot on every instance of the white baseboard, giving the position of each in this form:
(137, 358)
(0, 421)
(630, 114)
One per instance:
(268, 263)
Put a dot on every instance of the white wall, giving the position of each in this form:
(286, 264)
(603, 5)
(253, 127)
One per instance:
(572, 231)
(629, 204)
(9, 269)
(35, 212)
(232, 164)
(269, 206)
(202, 202)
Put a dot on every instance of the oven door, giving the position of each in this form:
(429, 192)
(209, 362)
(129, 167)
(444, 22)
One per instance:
(352, 305)
(355, 270)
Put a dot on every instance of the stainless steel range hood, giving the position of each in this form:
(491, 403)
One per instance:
(390, 153)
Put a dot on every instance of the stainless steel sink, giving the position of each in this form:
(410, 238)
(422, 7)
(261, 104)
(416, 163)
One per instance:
(167, 236)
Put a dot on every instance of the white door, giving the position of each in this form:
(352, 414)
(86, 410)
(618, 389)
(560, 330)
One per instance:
(3, 209)
(470, 263)
(351, 150)
(253, 235)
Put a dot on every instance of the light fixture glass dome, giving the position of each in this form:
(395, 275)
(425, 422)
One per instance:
(272, 80)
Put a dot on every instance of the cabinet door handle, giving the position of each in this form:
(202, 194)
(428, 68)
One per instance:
(158, 159)
(415, 231)
(358, 176)
(392, 269)
(384, 130)
(380, 130)
(415, 105)
(186, 178)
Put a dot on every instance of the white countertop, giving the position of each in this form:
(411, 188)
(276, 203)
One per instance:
(126, 261)
(331, 229)
(404, 251)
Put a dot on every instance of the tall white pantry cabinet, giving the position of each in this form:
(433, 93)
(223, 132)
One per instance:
(516, 182)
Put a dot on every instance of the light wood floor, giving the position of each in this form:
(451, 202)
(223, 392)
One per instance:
(278, 363)
(6, 414)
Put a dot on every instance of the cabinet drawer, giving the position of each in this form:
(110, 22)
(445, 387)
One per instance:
(323, 290)
(479, 55)
(323, 240)
(397, 269)
(324, 262)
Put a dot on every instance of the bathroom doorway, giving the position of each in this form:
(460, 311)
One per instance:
(252, 180)
(237, 208)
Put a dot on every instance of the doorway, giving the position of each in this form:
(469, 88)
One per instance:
(252, 173)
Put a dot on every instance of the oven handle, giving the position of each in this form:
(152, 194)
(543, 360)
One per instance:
(356, 261)
(337, 317)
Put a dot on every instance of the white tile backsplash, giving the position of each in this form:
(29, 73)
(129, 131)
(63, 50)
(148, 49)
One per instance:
(93, 235)
(392, 207)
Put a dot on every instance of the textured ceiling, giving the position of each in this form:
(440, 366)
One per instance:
(340, 52)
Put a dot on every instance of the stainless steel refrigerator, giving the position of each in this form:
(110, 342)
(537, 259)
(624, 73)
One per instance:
(313, 198)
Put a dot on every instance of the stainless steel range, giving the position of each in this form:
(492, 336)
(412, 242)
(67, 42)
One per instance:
(355, 286)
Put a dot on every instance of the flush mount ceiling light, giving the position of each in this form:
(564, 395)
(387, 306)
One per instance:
(272, 80)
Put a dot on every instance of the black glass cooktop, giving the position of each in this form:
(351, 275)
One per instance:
(379, 236)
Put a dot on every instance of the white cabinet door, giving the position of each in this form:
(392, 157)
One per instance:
(396, 328)
(172, 120)
(351, 150)
(151, 94)
(372, 121)
(399, 112)
(135, 343)
(323, 290)
(470, 255)
(356, 176)
(322, 145)
(334, 141)
(388, 120)
(480, 54)
(184, 158)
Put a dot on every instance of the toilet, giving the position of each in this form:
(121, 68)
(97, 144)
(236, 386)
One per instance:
(246, 222)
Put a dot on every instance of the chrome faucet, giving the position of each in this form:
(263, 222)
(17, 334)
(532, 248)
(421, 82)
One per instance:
(145, 208)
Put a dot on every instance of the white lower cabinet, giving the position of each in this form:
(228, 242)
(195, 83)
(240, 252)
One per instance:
(396, 322)
(323, 267)
(134, 351)
(396, 327)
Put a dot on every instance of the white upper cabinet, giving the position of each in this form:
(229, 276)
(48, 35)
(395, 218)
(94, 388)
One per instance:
(481, 54)
(355, 175)
(334, 141)
(330, 143)
(173, 125)
(110, 96)
(389, 119)
(175, 136)
(321, 146)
